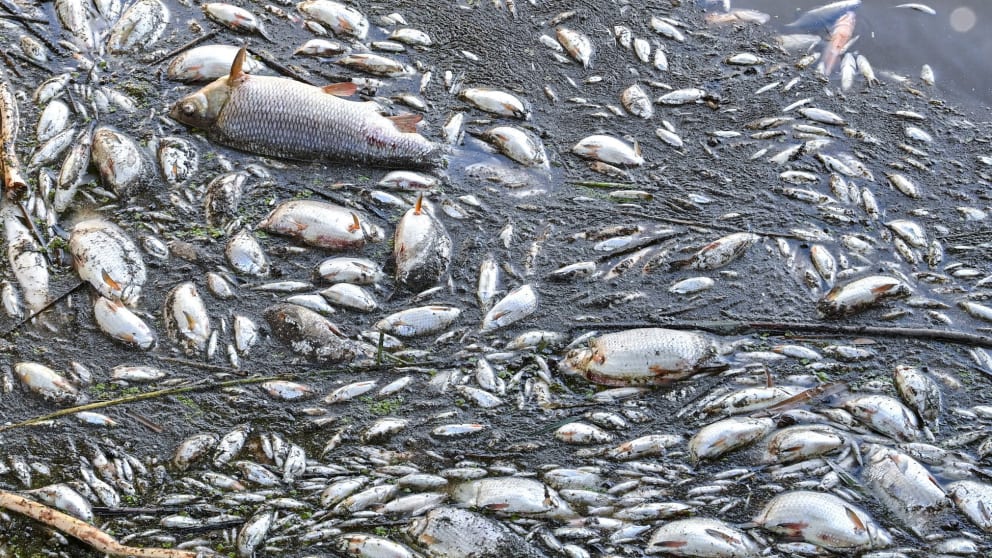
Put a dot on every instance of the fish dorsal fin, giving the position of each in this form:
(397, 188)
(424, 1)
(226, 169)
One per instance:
(419, 206)
(237, 66)
(406, 123)
(343, 89)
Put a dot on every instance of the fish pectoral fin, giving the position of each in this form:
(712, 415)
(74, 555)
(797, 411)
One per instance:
(237, 66)
(406, 123)
(109, 281)
(671, 544)
(343, 89)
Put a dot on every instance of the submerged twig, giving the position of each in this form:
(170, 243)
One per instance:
(96, 538)
(187, 46)
(51, 303)
(140, 397)
(279, 67)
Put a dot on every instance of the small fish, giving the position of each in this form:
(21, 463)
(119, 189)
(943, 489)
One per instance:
(840, 38)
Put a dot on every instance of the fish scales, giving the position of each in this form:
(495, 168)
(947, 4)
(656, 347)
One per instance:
(290, 119)
(284, 118)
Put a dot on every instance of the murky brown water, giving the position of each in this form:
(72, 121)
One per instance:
(707, 189)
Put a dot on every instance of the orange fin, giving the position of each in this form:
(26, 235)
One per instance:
(858, 524)
(406, 123)
(190, 321)
(236, 67)
(356, 226)
(420, 203)
(110, 281)
(343, 89)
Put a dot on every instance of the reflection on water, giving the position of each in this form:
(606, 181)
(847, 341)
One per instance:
(954, 42)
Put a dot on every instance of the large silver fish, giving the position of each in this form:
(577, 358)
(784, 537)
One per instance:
(285, 118)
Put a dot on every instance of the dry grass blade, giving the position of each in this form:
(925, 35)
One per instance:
(100, 541)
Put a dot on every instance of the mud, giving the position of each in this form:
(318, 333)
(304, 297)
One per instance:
(740, 196)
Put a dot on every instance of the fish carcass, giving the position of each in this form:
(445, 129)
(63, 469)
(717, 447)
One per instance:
(284, 118)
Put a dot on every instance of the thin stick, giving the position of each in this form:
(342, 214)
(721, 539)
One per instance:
(186, 46)
(53, 302)
(23, 18)
(596, 184)
(99, 540)
(139, 397)
(279, 67)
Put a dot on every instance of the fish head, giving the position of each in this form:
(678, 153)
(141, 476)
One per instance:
(576, 362)
(201, 109)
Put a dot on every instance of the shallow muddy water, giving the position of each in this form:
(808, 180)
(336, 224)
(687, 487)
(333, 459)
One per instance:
(681, 200)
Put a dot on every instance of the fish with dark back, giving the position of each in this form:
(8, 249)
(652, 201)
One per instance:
(281, 117)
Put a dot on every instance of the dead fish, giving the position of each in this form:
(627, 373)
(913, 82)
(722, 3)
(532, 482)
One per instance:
(608, 149)
(823, 520)
(885, 415)
(576, 44)
(666, 29)
(920, 392)
(311, 335)
(516, 305)
(350, 296)
(637, 101)
(223, 197)
(520, 145)
(358, 271)
(285, 118)
(840, 41)
(450, 531)
(700, 536)
(207, 63)
(682, 96)
(421, 248)
(314, 47)
(47, 383)
(903, 184)
(177, 159)
(141, 26)
(321, 224)
(495, 101)
(186, 318)
(341, 19)
(720, 252)
(246, 255)
(118, 159)
(73, 168)
(723, 436)
(414, 322)
(53, 120)
(374, 64)
(650, 355)
(512, 495)
(859, 295)
(108, 259)
(904, 486)
(235, 18)
(822, 116)
(974, 499)
(26, 259)
(117, 321)
(75, 18)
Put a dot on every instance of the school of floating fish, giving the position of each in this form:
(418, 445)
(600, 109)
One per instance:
(489, 408)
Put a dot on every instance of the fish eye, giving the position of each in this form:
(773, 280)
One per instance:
(189, 108)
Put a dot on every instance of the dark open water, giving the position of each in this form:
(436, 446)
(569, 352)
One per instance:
(956, 43)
